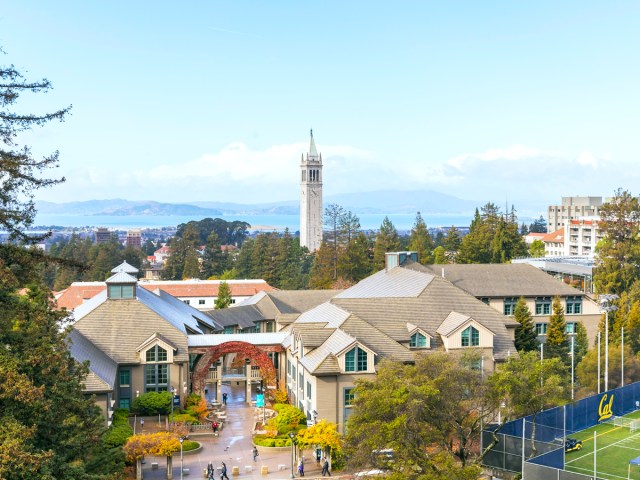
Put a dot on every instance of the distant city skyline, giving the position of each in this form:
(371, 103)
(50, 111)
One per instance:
(213, 101)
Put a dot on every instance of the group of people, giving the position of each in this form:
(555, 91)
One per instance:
(211, 471)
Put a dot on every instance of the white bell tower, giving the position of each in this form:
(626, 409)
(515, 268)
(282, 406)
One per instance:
(311, 199)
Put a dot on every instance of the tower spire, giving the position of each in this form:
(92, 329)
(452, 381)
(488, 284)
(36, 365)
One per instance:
(313, 152)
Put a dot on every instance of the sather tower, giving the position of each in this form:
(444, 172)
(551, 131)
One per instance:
(311, 199)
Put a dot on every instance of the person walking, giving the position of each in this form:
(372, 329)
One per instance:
(214, 427)
(255, 453)
(325, 468)
(223, 472)
(301, 467)
(142, 424)
(224, 398)
(210, 471)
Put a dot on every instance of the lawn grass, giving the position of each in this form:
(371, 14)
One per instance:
(616, 446)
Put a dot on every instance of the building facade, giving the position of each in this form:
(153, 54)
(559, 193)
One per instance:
(581, 237)
(571, 209)
(311, 198)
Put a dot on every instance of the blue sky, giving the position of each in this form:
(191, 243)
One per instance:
(196, 101)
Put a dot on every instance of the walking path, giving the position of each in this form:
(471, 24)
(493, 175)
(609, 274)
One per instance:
(233, 446)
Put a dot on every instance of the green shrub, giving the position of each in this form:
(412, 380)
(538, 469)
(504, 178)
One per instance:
(288, 418)
(280, 442)
(184, 418)
(120, 416)
(117, 435)
(188, 445)
(152, 403)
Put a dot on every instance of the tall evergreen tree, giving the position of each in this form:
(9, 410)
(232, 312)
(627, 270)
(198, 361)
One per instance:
(333, 218)
(48, 429)
(420, 241)
(214, 261)
(224, 296)
(526, 337)
(439, 256)
(619, 250)
(356, 262)
(322, 269)
(452, 240)
(387, 240)
(557, 345)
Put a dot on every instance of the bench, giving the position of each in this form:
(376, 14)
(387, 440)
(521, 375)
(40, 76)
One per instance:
(186, 471)
(248, 469)
(282, 466)
(154, 465)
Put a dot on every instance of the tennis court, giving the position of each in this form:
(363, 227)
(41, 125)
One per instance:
(616, 445)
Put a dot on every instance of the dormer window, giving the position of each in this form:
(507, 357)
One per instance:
(355, 360)
(470, 337)
(156, 354)
(418, 340)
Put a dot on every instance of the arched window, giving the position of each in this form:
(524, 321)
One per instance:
(470, 337)
(355, 360)
(418, 340)
(156, 374)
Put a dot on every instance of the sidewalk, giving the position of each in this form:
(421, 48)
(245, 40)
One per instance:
(233, 446)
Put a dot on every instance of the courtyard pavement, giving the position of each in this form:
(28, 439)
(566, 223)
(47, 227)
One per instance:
(233, 446)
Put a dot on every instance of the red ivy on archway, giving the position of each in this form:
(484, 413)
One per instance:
(211, 355)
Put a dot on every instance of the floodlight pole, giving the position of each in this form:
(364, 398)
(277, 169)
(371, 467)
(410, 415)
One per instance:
(622, 363)
(606, 305)
(572, 363)
(606, 352)
(598, 363)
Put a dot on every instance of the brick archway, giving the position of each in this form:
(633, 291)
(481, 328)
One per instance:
(211, 354)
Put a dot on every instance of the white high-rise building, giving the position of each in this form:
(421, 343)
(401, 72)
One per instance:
(311, 198)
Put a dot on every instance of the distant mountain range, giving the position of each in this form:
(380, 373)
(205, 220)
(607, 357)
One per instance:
(384, 201)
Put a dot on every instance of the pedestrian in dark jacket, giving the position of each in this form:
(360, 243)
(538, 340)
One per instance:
(223, 473)
(325, 468)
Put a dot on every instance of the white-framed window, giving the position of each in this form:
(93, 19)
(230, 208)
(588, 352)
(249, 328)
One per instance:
(510, 305)
(541, 328)
(356, 360)
(574, 305)
(543, 305)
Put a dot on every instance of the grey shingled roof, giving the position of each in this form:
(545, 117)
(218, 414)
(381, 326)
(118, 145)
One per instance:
(503, 280)
(244, 316)
(332, 315)
(103, 369)
(173, 310)
(453, 321)
(427, 311)
(336, 343)
(395, 283)
(298, 301)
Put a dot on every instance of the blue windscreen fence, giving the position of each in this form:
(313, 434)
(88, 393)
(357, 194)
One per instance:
(550, 427)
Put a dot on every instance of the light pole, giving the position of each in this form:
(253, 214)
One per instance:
(292, 436)
(607, 306)
(181, 439)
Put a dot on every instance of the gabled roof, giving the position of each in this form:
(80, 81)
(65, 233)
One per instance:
(102, 369)
(453, 321)
(273, 338)
(126, 268)
(153, 338)
(121, 278)
(503, 280)
(337, 342)
(331, 315)
(298, 301)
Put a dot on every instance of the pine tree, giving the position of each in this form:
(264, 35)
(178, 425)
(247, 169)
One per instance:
(213, 260)
(356, 264)
(224, 296)
(452, 240)
(526, 337)
(557, 345)
(439, 256)
(321, 276)
(420, 241)
(387, 240)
